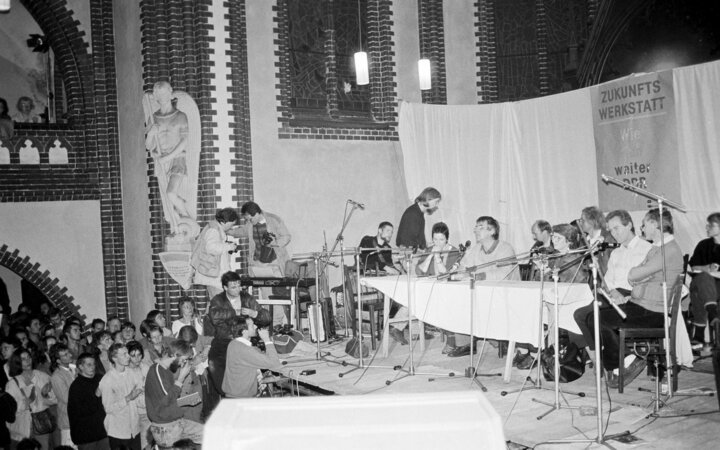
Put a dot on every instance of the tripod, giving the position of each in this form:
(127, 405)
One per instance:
(410, 371)
(556, 405)
(358, 334)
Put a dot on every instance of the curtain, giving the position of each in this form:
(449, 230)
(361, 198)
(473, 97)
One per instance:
(517, 162)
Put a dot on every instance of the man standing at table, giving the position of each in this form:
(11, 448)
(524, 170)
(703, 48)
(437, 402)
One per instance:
(411, 231)
(487, 249)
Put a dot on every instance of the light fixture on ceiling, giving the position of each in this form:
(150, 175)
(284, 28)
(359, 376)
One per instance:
(4, 5)
(424, 74)
(362, 72)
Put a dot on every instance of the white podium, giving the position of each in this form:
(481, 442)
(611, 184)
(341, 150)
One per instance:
(460, 419)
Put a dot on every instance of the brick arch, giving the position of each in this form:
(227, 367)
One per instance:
(71, 53)
(33, 273)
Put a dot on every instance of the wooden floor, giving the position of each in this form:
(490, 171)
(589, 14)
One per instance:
(685, 423)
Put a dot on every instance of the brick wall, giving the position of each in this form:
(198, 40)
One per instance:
(383, 97)
(432, 47)
(486, 54)
(179, 45)
(92, 172)
(34, 273)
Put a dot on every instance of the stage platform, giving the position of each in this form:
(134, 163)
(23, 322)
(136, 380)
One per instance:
(691, 422)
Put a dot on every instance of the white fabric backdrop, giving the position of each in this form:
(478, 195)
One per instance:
(536, 159)
(517, 162)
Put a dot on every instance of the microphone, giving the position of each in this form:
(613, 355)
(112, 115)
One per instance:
(356, 204)
(462, 247)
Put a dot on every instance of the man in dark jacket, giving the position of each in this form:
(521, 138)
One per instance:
(85, 409)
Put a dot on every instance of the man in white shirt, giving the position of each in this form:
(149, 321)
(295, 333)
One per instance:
(121, 391)
(631, 252)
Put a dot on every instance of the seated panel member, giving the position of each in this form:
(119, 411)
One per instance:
(593, 224)
(704, 288)
(565, 238)
(488, 248)
(442, 257)
(377, 260)
(542, 233)
(644, 308)
(631, 253)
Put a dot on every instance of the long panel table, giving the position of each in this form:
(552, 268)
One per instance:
(504, 310)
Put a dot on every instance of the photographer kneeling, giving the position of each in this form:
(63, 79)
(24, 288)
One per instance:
(244, 360)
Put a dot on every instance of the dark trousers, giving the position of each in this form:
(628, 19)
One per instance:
(586, 321)
(704, 290)
(124, 444)
(102, 444)
(610, 321)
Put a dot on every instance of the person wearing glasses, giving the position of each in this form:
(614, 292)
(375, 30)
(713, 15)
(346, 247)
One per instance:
(705, 286)
(488, 248)
(565, 238)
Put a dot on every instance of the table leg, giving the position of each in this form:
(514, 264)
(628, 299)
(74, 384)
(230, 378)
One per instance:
(508, 361)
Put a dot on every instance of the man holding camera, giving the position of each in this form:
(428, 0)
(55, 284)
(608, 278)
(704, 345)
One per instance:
(267, 236)
(162, 389)
(244, 360)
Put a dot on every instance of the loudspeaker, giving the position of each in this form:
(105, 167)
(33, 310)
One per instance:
(438, 420)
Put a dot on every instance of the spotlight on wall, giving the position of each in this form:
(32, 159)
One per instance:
(424, 74)
(362, 74)
(4, 5)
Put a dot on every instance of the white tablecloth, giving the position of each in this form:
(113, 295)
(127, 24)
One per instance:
(506, 310)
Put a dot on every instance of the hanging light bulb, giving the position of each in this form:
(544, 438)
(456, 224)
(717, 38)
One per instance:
(424, 74)
(362, 74)
(4, 5)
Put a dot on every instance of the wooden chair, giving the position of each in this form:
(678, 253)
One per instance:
(372, 301)
(650, 342)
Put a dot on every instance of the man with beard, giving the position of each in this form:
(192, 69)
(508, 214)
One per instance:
(411, 232)
(85, 409)
(379, 259)
(162, 390)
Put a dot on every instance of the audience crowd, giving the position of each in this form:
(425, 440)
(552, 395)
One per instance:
(112, 385)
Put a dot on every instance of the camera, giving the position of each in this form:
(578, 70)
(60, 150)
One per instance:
(267, 238)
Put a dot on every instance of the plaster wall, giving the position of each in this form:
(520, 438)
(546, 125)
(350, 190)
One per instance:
(65, 239)
(308, 182)
(133, 165)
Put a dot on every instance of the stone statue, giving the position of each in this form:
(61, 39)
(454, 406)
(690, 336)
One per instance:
(173, 138)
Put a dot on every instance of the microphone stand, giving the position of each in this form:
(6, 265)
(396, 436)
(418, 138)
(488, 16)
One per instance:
(410, 371)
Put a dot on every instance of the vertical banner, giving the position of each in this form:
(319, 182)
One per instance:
(636, 139)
